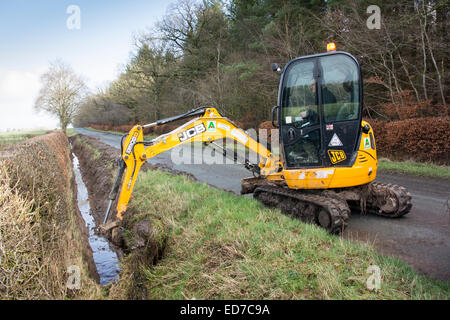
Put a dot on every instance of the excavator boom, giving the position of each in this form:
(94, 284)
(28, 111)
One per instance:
(208, 127)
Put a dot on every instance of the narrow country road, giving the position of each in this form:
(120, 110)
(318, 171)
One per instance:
(421, 238)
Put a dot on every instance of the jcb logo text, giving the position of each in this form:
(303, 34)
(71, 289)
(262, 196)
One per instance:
(336, 156)
(192, 132)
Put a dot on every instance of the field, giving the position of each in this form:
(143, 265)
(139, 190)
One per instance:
(9, 138)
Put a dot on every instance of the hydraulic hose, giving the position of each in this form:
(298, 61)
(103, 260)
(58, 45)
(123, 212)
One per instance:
(115, 188)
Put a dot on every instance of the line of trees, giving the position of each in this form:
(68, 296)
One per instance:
(218, 53)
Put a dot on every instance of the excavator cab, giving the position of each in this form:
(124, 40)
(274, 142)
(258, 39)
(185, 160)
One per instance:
(319, 116)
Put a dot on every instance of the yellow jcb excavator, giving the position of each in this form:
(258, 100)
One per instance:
(327, 157)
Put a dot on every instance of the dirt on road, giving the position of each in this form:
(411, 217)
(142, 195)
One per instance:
(421, 238)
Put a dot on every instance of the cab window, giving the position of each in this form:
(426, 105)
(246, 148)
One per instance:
(300, 107)
(339, 88)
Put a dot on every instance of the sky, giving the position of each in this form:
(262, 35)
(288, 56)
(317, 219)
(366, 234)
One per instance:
(34, 33)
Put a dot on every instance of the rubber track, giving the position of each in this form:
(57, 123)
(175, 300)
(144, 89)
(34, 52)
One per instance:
(337, 208)
(404, 201)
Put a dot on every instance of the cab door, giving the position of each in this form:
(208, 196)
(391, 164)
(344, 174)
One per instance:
(321, 99)
(300, 123)
(340, 101)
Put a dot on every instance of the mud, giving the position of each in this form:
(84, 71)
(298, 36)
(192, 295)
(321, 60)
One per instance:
(86, 250)
(97, 173)
(138, 240)
(421, 238)
(98, 164)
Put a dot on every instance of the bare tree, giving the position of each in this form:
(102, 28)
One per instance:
(62, 93)
(180, 25)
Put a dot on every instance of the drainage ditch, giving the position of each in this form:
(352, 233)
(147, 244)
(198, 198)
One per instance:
(106, 257)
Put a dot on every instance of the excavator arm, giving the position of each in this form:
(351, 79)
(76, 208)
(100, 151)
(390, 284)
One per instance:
(208, 127)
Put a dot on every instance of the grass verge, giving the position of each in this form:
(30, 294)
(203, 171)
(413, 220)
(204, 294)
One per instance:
(222, 246)
(71, 132)
(414, 168)
(117, 133)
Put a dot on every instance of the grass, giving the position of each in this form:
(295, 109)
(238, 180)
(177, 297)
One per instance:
(414, 168)
(117, 133)
(23, 133)
(71, 132)
(9, 138)
(19, 261)
(222, 246)
(37, 207)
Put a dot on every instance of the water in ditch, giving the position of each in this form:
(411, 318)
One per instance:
(105, 257)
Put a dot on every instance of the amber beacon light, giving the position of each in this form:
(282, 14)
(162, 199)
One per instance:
(331, 46)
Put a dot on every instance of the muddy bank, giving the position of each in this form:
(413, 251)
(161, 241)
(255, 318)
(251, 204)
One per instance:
(99, 163)
(106, 258)
(136, 236)
(40, 170)
(86, 249)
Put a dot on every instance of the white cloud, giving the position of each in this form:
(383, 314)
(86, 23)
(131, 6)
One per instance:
(18, 91)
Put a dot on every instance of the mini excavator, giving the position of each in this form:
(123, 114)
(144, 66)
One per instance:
(327, 160)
